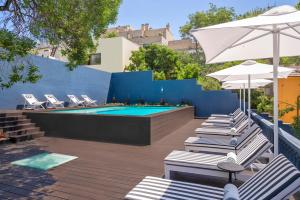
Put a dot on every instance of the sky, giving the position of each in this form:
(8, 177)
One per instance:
(160, 12)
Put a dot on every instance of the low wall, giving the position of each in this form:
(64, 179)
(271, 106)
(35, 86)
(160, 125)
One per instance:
(288, 144)
(134, 86)
(136, 130)
(58, 80)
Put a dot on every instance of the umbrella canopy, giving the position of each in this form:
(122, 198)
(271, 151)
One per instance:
(256, 83)
(239, 84)
(252, 38)
(250, 67)
(273, 34)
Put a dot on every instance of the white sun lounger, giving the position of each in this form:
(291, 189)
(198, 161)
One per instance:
(237, 111)
(74, 101)
(88, 101)
(221, 146)
(223, 133)
(32, 103)
(206, 164)
(52, 101)
(278, 180)
(224, 125)
(225, 120)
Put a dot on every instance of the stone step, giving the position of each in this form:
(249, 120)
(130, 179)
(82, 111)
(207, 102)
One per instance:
(17, 127)
(11, 114)
(11, 118)
(14, 122)
(21, 131)
(26, 136)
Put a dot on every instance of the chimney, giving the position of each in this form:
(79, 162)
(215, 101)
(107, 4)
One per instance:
(147, 27)
(168, 26)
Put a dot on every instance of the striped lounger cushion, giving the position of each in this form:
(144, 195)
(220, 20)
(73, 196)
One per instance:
(152, 188)
(210, 161)
(197, 143)
(278, 180)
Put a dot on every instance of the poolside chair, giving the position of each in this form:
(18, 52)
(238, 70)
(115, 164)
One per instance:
(278, 180)
(31, 102)
(223, 133)
(52, 101)
(237, 111)
(74, 101)
(225, 120)
(224, 125)
(88, 101)
(206, 163)
(221, 146)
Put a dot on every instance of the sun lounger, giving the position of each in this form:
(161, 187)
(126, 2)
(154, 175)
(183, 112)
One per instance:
(31, 102)
(226, 120)
(74, 101)
(278, 180)
(206, 164)
(221, 132)
(52, 101)
(237, 111)
(225, 124)
(88, 101)
(225, 116)
(221, 146)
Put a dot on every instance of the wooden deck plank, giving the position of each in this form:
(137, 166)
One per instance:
(102, 170)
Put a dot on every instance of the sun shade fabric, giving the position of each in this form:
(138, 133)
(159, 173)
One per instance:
(251, 38)
(254, 69)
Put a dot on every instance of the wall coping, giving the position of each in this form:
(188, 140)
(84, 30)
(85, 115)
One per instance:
(290, 138)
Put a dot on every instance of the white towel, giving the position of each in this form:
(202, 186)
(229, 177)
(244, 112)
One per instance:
(231, 157)
(231, 192)
(233, 131)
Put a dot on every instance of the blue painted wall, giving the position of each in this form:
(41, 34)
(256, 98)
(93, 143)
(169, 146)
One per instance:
(140, 85)
(58, 80)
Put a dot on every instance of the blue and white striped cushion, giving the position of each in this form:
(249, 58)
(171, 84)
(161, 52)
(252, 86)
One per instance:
(152, 188)
(270, 181)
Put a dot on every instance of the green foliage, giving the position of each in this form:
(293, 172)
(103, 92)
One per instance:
(265, 104)
(110, 34)
(212, 16)
(71, 25)
(164, 62)
(13, 50)
(296, 126)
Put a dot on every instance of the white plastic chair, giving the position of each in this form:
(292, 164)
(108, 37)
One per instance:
(88, 101)
(53, 101)
(31, 102)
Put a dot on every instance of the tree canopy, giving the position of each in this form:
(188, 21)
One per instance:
(212, 16)
(164, 62)
(71, 25)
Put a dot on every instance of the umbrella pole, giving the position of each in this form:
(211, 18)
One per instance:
(244, 96)
(275, 88)
(241, 98)
(249, 102)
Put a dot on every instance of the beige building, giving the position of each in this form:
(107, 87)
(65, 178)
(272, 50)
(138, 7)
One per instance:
(112, 54)
(147, 35)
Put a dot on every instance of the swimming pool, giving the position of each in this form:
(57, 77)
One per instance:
(121, 110)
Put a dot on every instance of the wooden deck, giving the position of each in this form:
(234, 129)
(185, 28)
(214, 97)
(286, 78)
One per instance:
(102, 171)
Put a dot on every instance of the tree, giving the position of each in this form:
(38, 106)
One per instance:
(70, 25)
(213, 16)
(13, 68)
(164, 62)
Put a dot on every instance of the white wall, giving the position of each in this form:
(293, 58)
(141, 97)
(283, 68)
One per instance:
(115, 53)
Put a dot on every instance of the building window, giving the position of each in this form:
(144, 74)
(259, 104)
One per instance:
(95, 59)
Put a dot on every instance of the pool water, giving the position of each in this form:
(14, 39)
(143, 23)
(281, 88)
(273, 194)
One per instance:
(121, 110)
(44, 161)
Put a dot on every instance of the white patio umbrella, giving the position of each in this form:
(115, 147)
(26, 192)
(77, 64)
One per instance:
(239, 84)
(246, 71)
(273, 34)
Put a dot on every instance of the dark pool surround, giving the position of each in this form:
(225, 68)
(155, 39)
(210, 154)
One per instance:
(136, 130)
